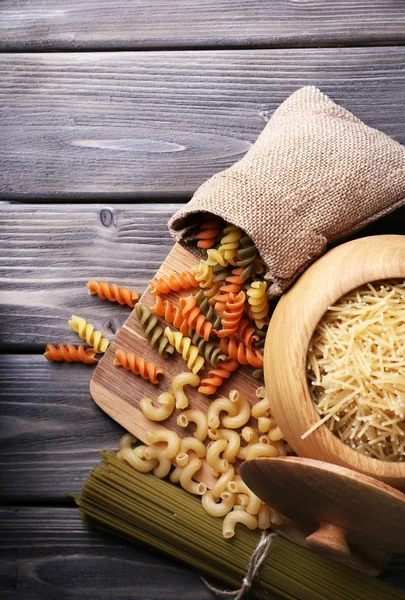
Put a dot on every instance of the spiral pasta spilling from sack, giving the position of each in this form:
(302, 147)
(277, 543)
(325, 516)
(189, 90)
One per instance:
(246, 333)
(184, 346)
(174, 282)
(113, 293)
(247, 255)
(153, 332)
(87, 332)
(138, 366)
(209, 230)
(70, 353)
(203, 274)
(230, 243)
(195, 319)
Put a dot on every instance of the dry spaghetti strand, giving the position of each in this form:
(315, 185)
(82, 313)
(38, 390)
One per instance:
(138, 366)
(195, 318)
(215, 377)
(113, 293)
(174, 282)
(70, 353)
(244, 355)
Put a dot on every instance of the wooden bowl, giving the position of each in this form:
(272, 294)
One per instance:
(291, 328)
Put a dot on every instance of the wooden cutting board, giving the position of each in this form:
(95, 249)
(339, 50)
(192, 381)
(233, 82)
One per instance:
(118, 392)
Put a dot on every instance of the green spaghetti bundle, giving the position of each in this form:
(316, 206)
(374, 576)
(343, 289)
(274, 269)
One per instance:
(144, 508)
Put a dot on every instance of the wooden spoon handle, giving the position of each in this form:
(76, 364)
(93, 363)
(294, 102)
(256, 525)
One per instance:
(330, 540)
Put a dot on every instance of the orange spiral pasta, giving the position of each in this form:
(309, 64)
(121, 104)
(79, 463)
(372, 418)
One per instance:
(232, 315)
(247, 333)
(233, 284)
(70, 353)
(208, 231)
(244, 355)
(138, 366)
(195, 319)
(113, 293)
(215, 377)
(174, 282)
(171, 314)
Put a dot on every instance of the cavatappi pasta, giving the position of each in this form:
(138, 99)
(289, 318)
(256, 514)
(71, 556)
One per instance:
(356, 370)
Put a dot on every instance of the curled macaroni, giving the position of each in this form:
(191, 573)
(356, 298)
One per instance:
(186, 478)
(216, 407)
(232, 438)
(158, 413)
(163, 464)
(190, 444)
(171, 439)
(260, 449)
(178, 383)
(243, 414)
(234, 517)
(175, 474)
(195, 416)
(237, 486)
(221, 484)
(217, 464)
(263, 424)
(215, 508)
(136, 458)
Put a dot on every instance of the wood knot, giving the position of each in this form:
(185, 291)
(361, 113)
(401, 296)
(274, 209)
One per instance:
(107, 217)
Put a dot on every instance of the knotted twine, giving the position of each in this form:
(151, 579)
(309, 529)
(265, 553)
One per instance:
(259, 555)
(315, 173)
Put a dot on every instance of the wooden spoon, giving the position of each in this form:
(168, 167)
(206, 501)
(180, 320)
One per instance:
(346, 515)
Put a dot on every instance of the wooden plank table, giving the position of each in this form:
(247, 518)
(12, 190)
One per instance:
(120, 109)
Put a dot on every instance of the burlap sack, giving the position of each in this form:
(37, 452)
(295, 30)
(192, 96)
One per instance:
(315, 173)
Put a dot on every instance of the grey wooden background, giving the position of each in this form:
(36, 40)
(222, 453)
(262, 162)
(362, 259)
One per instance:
(111, 114)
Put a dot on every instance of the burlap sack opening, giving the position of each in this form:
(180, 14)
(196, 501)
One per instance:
(316, 173)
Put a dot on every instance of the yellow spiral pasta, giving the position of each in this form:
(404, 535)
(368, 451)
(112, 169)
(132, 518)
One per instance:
(203, 274)
(87, 332)
(214, 257)
(230, 243)
(183, 345)
(259, 304)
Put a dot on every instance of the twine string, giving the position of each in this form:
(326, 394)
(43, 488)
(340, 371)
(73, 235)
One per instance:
(259, 555)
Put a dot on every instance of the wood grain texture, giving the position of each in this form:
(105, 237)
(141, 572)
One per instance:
(191, 23)
(50, 553)
(59, 557)
(118, 392)
(50, 252)
(128, 125)
(51, 430)
(291, 328)
(123, 243)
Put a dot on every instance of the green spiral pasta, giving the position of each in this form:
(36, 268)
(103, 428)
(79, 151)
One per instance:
(207, 310)
(247, 255)
(209, 350)
(261, 334)
(153, 332)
